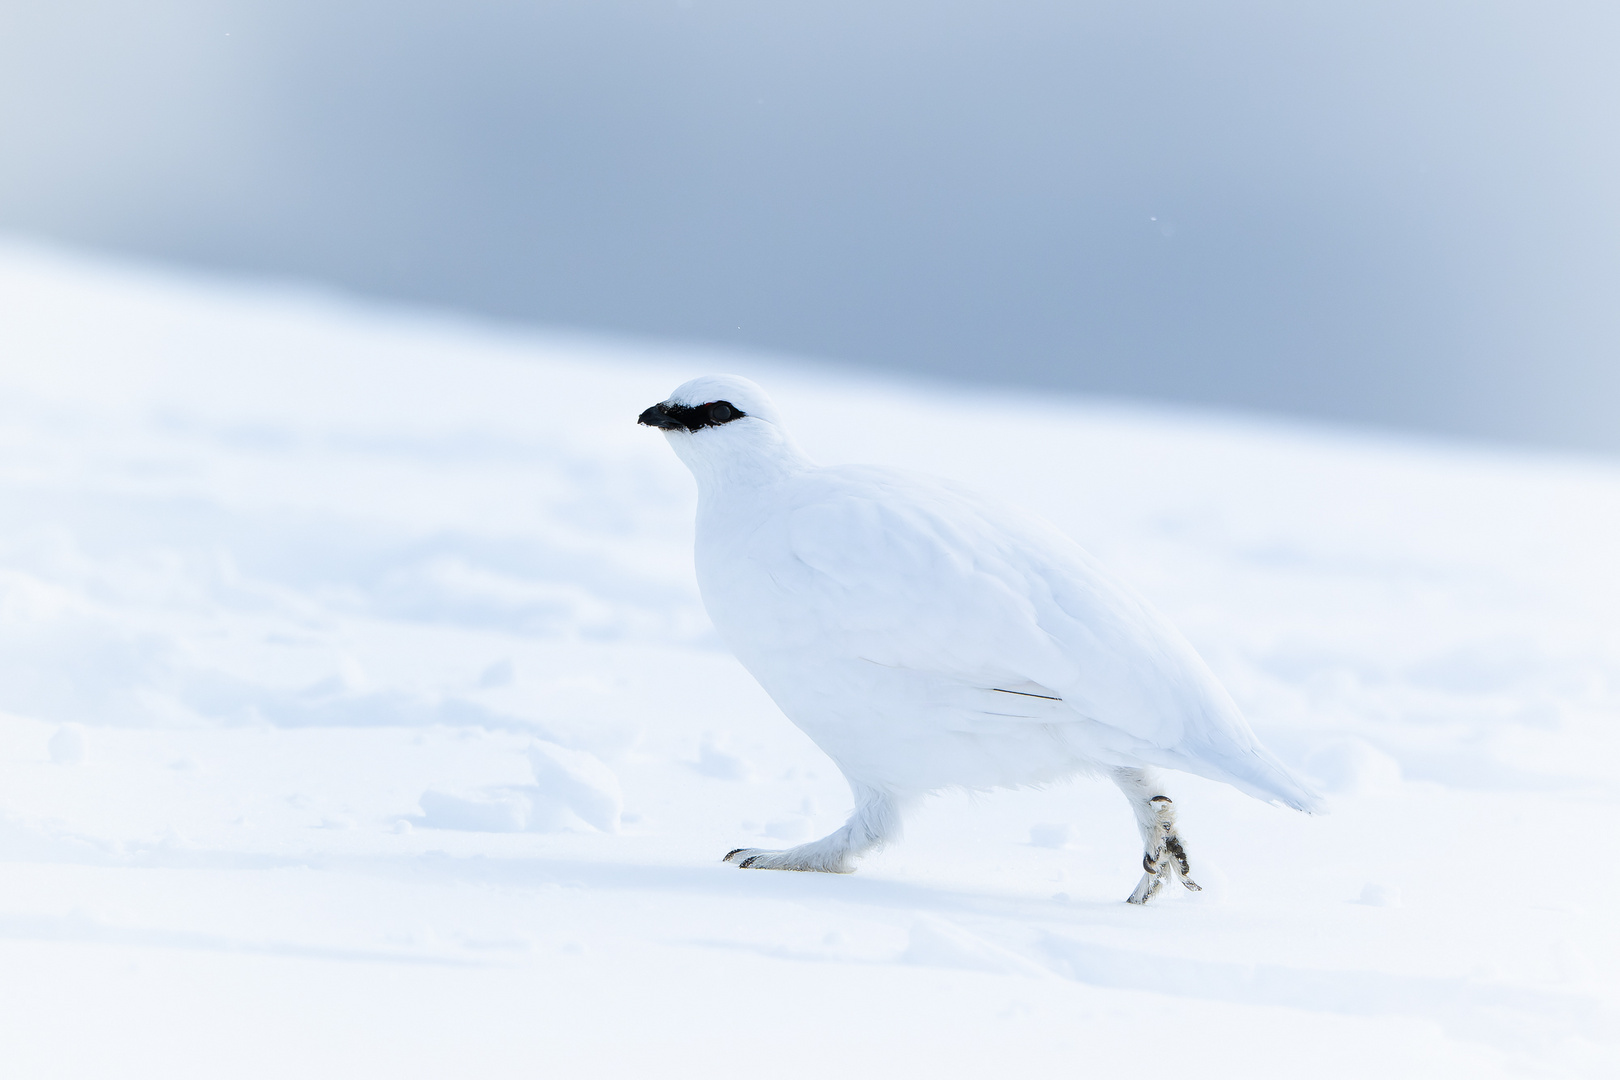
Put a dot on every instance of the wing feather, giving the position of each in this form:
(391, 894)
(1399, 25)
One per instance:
(921, 576)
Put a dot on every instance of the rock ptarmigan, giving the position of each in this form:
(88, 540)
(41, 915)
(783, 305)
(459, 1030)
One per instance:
(928, 638)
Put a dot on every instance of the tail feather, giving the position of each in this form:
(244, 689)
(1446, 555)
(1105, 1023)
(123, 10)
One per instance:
(1257, 772)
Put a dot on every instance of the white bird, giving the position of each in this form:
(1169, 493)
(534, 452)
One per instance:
(928, 638)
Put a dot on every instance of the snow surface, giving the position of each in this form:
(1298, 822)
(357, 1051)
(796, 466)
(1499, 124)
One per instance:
(360, 718)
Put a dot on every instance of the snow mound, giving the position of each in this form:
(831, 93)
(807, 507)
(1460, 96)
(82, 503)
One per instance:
(571, 788)
(574, 782)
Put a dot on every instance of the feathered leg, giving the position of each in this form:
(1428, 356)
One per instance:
(874, 822)
(1163, 855)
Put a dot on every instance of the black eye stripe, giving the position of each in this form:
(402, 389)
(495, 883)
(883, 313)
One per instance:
(692, 417)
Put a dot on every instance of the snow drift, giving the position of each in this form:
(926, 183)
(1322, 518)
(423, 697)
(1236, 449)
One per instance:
(358, 716)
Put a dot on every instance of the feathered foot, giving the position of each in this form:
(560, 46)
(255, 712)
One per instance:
(1165, 858)
(804, 857)
(876, 820)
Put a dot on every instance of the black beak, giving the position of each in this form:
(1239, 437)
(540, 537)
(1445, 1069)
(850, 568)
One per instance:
(659, 417)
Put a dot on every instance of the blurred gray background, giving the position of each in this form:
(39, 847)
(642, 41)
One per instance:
(1405, 214)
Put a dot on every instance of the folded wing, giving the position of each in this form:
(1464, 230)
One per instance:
(1019, 623)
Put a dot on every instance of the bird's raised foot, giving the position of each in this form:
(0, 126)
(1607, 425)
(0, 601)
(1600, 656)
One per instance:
(1167, 859)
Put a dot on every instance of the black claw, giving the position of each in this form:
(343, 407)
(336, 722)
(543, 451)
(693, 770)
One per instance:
(746, 863)
(1147, 863)
(1160, 798)
(1174, 844)
(732, 852)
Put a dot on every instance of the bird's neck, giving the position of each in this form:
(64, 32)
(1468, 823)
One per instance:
(740, 456)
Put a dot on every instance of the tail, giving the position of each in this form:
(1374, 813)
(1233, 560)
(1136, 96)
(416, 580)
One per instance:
(1252, 769)
(1256, 771)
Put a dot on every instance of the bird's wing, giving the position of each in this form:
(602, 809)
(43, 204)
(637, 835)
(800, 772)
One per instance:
(920, 576)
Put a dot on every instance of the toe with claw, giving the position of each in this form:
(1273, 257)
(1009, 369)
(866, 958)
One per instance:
(745, 857)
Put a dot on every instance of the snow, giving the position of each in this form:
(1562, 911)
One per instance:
(359, 717)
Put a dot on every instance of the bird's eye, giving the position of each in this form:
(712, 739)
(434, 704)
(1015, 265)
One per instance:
(719, 412)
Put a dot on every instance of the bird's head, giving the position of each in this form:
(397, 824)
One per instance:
(724, 426)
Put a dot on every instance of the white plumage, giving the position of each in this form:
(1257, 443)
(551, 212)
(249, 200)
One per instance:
(926, 637)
